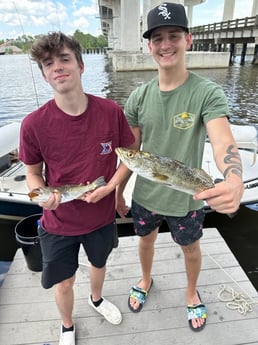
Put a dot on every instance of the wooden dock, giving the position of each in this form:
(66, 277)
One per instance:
(28, 315)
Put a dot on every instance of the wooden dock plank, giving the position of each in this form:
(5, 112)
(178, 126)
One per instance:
(29, 315)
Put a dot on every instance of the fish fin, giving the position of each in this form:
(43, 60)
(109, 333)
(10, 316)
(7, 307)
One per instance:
(202, 173)
(160, 177)
(100, 181)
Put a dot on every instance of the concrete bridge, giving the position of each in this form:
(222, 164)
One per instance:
(231, 33)
(123, 25)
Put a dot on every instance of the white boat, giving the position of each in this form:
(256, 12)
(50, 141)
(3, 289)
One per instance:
(15, 203)
(246, 139)
(14, 200)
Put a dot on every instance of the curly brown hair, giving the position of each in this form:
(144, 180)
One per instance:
(52, 44)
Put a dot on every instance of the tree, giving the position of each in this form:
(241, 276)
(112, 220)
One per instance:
(87, 41)
(102, 41)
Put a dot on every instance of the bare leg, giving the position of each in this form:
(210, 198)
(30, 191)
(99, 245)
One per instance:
(107, 309)
(193, 260)
(146, 254)
(97, 276)
(64, 299)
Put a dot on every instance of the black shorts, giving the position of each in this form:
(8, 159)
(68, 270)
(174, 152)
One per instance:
(60, 253)
(184, 230)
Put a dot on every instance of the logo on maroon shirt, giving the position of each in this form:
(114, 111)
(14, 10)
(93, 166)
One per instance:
(106, 148)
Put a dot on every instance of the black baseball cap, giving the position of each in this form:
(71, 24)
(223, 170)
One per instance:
(166, 14)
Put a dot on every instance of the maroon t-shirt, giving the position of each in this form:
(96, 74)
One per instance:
(76, 149)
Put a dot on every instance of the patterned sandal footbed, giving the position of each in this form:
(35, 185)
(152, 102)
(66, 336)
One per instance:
(138, 294)
(196, 312)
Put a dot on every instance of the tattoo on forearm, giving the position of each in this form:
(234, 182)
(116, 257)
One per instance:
(234, 161)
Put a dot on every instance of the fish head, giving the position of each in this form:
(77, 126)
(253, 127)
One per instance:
(38, 195)
(34, 194)
(135, 160)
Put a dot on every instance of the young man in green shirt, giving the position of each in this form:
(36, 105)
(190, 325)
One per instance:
(170, 116)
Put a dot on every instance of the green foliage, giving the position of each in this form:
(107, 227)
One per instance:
(87, 41)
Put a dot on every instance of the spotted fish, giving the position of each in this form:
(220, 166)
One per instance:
(68, 192)
(172, 173)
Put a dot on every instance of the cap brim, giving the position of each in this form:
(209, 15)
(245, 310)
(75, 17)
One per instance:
(147, 34)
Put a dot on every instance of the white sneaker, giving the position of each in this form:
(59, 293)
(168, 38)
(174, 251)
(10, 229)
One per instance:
(67, 338)
(110, 312)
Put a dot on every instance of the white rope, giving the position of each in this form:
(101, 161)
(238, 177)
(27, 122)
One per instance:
(233, 299)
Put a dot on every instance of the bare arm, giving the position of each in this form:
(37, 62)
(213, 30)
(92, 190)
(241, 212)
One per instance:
(118, 181)
(35, 176)
(226, 196)
(103, 191)
(35, 180)
(121, 206)
(136, 145)
(224, 148)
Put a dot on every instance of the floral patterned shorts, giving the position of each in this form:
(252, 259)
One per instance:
(184, 230)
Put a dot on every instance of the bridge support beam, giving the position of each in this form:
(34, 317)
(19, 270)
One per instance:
(122, 24)
(254, 8)
(242, 61)
(130, 25)
(232, 53)
(228, 12)
(255, 58)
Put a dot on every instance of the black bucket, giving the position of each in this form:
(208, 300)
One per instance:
(27, 236)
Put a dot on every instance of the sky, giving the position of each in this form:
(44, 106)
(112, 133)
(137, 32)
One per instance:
(33, 17)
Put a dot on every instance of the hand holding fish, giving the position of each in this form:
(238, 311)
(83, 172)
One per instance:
(52, 202)
(97, 194)
(225, 196)
(51, 197)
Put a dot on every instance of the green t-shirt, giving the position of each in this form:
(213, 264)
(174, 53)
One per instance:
(172, 124)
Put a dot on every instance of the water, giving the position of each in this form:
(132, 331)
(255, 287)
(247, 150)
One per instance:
(18, 96)
(23, 89)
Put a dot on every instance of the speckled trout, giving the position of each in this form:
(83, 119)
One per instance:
(170, 172)
(68, 192)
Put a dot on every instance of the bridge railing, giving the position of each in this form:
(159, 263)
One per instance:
(236, 24)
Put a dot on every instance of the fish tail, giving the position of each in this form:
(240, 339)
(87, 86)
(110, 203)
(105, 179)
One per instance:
(100, 181)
